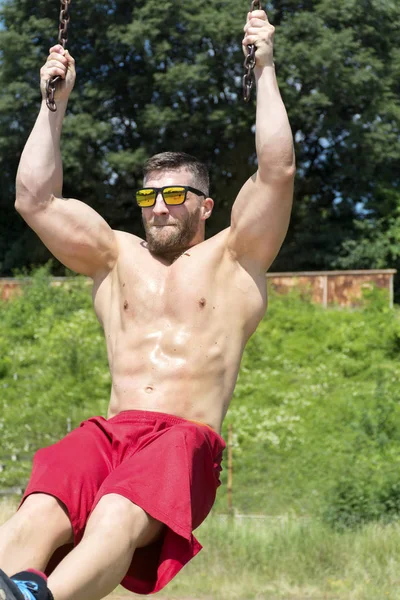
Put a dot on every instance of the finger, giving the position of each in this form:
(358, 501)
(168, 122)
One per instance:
(258, 31)
(54, 57)
(56, 63)
(255, 23)
(70, 59)
(54, 68)
(252, 35)
(250, 40)
(259, 14)
(57, 48)
(53, 72)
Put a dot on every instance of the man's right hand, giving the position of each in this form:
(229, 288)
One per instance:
(59, 62)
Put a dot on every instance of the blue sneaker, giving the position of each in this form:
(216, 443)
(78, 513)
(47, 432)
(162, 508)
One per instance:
(8, 589)
(23, 586)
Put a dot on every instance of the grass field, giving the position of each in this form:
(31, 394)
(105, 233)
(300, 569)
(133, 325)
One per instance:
(316, 435)
(315, 413)
(293, 559)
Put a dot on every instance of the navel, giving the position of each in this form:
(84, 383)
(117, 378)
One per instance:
(202, 302)
(149, 389)
(126, 305)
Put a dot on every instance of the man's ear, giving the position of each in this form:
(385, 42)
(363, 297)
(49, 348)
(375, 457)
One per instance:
(207, 208)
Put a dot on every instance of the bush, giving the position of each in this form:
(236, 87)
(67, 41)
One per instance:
(368, 491)
(53, 372)
(315, 414)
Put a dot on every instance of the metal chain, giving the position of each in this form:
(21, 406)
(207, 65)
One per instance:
(62, 39)
(250, 61)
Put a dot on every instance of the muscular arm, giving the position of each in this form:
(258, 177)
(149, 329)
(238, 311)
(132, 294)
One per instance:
(261, 212)
(75, 234)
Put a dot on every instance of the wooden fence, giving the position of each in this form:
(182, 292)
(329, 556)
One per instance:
(343, 288)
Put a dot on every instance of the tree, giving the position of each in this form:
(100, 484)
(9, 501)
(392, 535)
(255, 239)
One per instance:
(151, 80)
(339, 67)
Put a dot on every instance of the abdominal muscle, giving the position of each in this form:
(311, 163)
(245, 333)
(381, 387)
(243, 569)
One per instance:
(186, 373)
(175, 334)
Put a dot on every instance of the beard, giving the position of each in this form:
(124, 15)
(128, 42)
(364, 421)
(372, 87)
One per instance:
(172, 239)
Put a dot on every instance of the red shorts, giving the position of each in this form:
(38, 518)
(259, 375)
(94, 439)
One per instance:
(166, 465)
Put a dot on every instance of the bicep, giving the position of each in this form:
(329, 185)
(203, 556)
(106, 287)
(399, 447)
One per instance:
(74, 233)
(260, 219)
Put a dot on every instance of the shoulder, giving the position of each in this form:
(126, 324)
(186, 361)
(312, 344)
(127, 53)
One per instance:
(128, 245)
(123, 237)
(213, 250)
(246, 281)
(217, 242)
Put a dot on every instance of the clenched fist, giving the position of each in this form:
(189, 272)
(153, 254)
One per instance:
(59, 62)
(259, 31)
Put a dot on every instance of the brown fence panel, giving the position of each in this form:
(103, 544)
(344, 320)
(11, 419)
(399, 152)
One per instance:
(343, 288)
(9, 288)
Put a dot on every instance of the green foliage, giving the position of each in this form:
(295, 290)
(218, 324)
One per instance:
(376, 245)
(151, 80)
(315, 414)
(338, 79)
(367, 491)
(53, 370)
(316, 409)
(368, 488)
(289, 559)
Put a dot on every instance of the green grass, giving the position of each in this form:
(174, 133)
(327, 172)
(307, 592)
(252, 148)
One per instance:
(316, 419)
(315, 414)
(288, 558)
(291, 559)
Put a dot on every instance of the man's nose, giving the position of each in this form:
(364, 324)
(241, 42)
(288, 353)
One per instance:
(160, 208)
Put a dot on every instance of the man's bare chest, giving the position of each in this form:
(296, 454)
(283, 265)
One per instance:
(188, 288)
(203, 286)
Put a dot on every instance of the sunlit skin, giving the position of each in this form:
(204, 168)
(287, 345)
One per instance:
(176, 310)
(163, 224)
(176, 323)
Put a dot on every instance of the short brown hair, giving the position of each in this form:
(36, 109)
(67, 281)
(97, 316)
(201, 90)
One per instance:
(179, 160)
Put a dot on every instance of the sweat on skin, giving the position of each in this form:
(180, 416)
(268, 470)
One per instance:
(177, 311)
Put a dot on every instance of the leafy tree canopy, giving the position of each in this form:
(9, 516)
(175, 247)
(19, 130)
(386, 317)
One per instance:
(154, 77)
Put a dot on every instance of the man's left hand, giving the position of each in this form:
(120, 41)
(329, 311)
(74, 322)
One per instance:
(259, 31)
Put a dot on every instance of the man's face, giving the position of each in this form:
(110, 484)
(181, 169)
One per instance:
(172, 229)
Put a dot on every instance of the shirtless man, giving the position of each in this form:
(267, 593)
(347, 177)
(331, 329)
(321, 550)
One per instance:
(177, 312)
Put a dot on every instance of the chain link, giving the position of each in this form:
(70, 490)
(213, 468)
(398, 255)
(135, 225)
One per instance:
(62, 39)
(250, 61)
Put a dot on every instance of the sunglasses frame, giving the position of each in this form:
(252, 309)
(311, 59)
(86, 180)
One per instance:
(186, 188)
